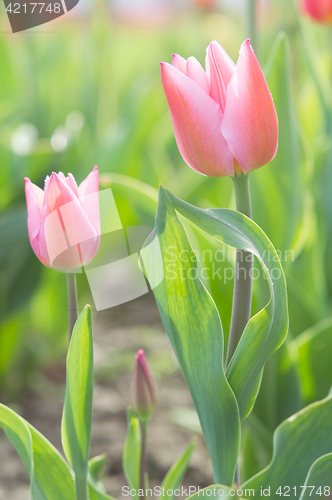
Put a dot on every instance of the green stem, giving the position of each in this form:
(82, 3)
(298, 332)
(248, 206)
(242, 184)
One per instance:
(72, 301)
(143, 457)
(241, 308)
(81, 486)
(251, 28)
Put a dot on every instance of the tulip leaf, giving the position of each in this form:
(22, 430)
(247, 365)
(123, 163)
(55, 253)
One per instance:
(314, 350)
(280, 394)
(95, 494)
(96, 488)
(298, 443)
(131, 459)
(96, 467)
(50, 476)
(266, 331)
(320, 476)
(77, 411)
(174, 476)
(193, 325)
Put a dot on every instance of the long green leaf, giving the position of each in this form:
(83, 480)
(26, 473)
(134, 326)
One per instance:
(96, 488)
(50, 476)
(54, 478)
(314, 349)
(131, 459)
(320, 476)
(280, 394)
(77, 411)
(298, 443)
(174, 476)
(266, 331)
(96, 467)
(193, 325)
(96, 494)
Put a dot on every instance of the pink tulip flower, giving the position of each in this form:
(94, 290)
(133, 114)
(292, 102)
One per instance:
(144, 390)
(63, 220)
(318, 10)
(224, 118)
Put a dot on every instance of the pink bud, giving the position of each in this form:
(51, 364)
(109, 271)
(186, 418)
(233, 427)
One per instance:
(144, 390)
(318, 10)
(224, 118)
(63, 220)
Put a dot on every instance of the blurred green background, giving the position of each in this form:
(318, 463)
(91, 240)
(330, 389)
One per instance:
(86, 90)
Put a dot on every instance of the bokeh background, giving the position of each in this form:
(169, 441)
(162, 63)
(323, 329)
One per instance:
(85, 90)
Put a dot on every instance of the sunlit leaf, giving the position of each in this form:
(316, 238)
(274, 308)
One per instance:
(320, 476)
(314, 349)
(266, 331)
(50, 476)
(174, 476)
(77, 412)
(298, 443)
(131, 458)
(193, 325)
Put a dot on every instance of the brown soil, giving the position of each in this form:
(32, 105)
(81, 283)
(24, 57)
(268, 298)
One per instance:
(118, 334)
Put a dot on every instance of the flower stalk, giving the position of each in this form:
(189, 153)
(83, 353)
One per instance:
(72, 301)
(81, 486)
(143, 456)
(242, 295)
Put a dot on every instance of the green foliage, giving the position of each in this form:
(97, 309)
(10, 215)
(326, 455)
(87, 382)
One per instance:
(96, 467)
(266, 331)
(174, 476)
(127, 131)
(77, 411)
(314, 350)
(96, 487)
(132, 452)
(298, 443)
(193, 325)
(50, 476)
(319, 476)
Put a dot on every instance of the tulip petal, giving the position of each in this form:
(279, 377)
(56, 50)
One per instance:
(88, 192)
(196, 120)
(220, 69)
(64, 219)
(70, 181)
(179, 63)
(250, 123)
(34, 199)
(195, 71)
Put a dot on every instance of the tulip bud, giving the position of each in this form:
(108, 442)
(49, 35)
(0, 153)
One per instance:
(63, 220)
(224, 119)
(318, 10)
(144, 390)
